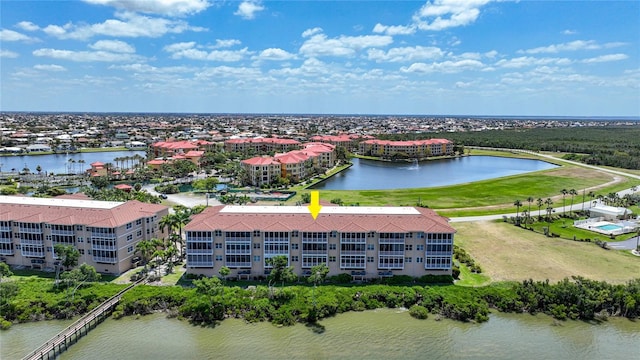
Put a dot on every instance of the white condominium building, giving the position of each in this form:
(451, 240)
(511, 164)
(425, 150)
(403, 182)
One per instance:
(365, 242)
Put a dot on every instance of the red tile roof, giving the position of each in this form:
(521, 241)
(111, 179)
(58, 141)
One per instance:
(76, 212)
(287, 218)
(261, 160)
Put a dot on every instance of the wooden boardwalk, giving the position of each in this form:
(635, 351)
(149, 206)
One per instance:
(69, 336)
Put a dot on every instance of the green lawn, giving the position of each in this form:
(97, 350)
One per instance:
(467, 278)
(565, 229)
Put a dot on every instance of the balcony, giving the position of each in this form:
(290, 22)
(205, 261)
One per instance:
(239, 264)
(30, 230)
(103, 259)
(62, 232)
(100, 236)
(199, 251)
(6, 240)
(31, 242)
(353, 252)
(438, 253)
(32, 253)
(200, 263)
(6, 228)
(314, 252)
(238, 252)
(6, 252)
(104, 247)
(199, 239)
(391, 253)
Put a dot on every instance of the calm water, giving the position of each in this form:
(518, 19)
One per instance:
(61, 163)
(376, 175)
(380, 334)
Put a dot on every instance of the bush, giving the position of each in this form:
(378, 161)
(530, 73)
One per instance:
(455, 272)
(419, 312)
(340, 279)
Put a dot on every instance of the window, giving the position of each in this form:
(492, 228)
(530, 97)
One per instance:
(79, 227)
(370, 259)
(420, 247)
(332, 246)
(129, 237)
(294, 246)
(139, 222)
(295, 233)
(218, 257)
(129, 225)
(218, 245)
(217, 233)
(332, 259)
(371, 247)
(294, 258)
(256, 258)
(81, 251)
(407, 259)
(139, 233)
(256, 245)
(256, 233)
(129, 249)
(408, 247)
(419, 260)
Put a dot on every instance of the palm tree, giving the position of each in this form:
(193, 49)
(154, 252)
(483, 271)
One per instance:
(81, 162)
(530, 200)
(564, 193)
(525, 215)
(592, 195)
(517, 204)
(573, 193)
(549, 202)
(146, 248)
(539, 202)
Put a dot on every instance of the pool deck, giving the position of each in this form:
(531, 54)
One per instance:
(594, 226)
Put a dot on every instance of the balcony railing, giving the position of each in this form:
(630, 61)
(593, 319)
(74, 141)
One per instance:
(104, 259)
(391, 253)
(199, 251)
(239, 264)
(100, 236)
(104, 247)
(6, 240)
(438, 253)
(238, 252)
(33, 253)
(200, 263)
(353, 252)
(6, 228)
(62, 232)
(32, 242)
(199, 239)
(314, 252)
(29, 230)
(6, 252)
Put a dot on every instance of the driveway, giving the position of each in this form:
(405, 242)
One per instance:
(624, 245)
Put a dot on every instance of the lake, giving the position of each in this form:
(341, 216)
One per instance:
(381, 175)
(62, 163)
(378, 334)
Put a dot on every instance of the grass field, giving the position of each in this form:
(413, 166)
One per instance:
(477, 194)
(506, 252)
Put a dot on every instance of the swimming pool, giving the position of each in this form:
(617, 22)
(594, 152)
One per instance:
(609, 227)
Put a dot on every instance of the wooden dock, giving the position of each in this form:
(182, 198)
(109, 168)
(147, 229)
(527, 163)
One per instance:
(70, 335)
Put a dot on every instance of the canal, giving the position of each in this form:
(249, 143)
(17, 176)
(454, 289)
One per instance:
(378, 334)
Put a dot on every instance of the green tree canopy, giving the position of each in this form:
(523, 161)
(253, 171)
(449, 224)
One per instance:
(280, 271)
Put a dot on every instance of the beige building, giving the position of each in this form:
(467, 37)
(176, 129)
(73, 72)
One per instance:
(366, 242)
(412, 148)
(105, 232)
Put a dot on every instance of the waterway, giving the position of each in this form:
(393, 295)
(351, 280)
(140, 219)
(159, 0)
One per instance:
(382, 175)
(62, 163)
(379, 334)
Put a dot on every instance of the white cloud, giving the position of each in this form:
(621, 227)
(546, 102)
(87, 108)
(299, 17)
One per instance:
(116, 46)
(310, 67)
(10, 35)
(226, 43)
(571, 46)
(161, 7)
(127, 24)
(310, 32)
(8, 54)
(188, 50)
(27, 26)
(525, 61)
(275, 54)
(248, 9)
(606, 58)
(320, 45)
(228, 71)
(447, 67)
(85, 56)
(394, 29)
(50, 67)
(146, 68)
(569, 32)
(179, 46)
(442, 14)
(403, 54)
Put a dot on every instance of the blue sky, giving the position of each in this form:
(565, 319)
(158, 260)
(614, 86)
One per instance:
(458, 57)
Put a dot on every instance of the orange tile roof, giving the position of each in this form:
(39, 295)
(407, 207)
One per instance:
(76, 212)
(287, 218)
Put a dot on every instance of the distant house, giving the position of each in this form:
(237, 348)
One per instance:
(38, 148)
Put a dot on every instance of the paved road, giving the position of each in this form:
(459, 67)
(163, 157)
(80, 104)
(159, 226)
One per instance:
(624, 245)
